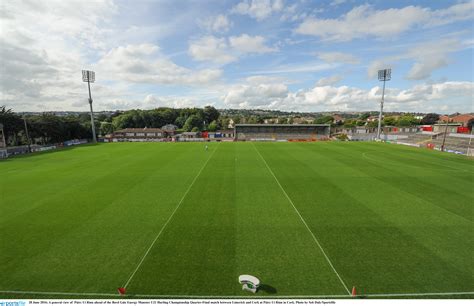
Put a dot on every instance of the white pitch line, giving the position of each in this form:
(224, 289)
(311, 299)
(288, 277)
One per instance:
(169, 219)
(304, 222)
(233, 296)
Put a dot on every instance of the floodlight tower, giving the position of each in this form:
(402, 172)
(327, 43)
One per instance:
(89, 77)
(384, 75)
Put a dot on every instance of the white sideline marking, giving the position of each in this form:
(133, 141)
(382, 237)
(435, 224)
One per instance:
(169, 219)
(233, 296)
(302, 220)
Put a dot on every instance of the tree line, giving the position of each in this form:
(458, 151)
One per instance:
(48, 128)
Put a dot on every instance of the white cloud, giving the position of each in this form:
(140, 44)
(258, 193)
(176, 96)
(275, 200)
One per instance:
(425, 97)
(338, 57)
(213, 49)
(143, 64)
(258, 9)
(255, 96)
(329, 80)
(297, 68)
(219, 24)
(337, 2)
(263, 79)
(223, 51)
(364, 21)
(249, 44)
(427, 57)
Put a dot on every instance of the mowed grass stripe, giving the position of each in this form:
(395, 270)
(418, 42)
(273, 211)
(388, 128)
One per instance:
(420, 216)
(304, 222)
(92, 235)
(352, 208)
(445, 189)
(169, 219)
(272, 242)
(196, 253)
(56, 173)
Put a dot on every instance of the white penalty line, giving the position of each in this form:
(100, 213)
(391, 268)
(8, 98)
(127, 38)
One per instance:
(169, 219)
(233, 296)
(304, 222)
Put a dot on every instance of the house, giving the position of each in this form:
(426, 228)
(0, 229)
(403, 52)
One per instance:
(136, 134)
(373, 118)
(337, 118)
(463, 119)
(442, 127)
(169, 129)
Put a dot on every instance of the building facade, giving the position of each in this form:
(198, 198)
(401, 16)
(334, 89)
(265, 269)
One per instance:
(136, 135)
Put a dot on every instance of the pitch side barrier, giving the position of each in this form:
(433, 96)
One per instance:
(20, 150)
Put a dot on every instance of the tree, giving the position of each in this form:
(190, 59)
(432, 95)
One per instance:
(389, 121)
(324, 120)
(180, 121)
(194, 121)
(364, 116)
(349, 123)
(374, 123)
(470, 123)
(407, 120)
(12, 125)
(430, 119)
(106, 128)
(213, 126)
(210, 114)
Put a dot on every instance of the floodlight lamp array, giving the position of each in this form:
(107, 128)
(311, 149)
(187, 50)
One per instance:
(88, 76)
(385, 74)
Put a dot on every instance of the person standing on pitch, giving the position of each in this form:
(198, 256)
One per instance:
(206, 148)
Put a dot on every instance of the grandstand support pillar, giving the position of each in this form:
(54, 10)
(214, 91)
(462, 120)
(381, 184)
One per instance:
(384, 75)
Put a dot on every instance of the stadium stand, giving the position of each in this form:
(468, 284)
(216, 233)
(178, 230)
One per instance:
(435, 141)
(276, 132)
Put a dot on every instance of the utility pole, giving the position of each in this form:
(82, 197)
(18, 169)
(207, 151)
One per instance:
(27, 135)
(4, 143)
(384, 75)
(89, 77)
(445, 132)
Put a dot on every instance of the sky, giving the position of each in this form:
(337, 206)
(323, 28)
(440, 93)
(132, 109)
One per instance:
(267, 54)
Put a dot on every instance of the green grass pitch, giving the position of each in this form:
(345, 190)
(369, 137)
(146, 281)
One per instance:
(172, 219)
